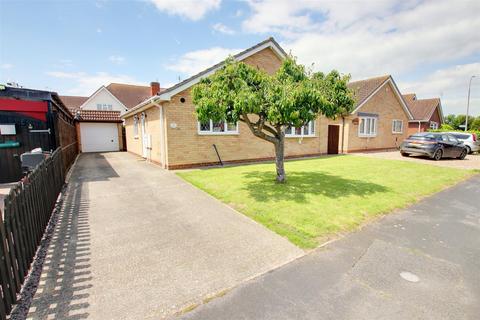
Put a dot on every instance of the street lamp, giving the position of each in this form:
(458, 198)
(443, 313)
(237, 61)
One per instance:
(468, 101)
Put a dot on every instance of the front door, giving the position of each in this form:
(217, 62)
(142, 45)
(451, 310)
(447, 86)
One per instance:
(333, 136)
(144, 136)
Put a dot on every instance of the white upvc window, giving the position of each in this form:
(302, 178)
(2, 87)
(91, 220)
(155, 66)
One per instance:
(307, 130)
(397, 126)
(433, 125)
(221, 127)
(367, 127)
(135, 126)
(104, 107)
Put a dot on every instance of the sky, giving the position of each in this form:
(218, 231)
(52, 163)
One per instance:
(431, 48)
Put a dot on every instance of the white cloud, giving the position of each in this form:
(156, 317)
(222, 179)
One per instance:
(116, 59)
(99, 30)
(402, 38)
(196, 61)
(85, 84)
(190, 9)
(6, 66)
(451, 85)
(220, 27)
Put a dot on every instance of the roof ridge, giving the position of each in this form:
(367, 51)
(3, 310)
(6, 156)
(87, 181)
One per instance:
(127, 84)
(373, 78)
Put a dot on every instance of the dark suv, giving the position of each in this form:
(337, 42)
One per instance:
(436, 145)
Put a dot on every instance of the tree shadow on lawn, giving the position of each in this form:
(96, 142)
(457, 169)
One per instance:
(262, 186)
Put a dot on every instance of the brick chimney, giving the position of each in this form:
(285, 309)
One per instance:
(154, 88)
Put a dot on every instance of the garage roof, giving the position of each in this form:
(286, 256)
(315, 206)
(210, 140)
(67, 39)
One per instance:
(97, 116)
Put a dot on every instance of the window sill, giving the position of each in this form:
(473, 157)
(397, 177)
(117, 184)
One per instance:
(300, 136)
(397, 132)
(217, 133)
(367, 136)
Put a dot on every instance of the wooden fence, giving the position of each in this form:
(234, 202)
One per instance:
(27, 211)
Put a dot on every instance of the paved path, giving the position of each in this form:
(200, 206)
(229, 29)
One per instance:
(472, 161)
(134, 241)
(419, 263)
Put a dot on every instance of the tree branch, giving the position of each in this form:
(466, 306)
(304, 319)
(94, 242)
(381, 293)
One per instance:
(257, 132)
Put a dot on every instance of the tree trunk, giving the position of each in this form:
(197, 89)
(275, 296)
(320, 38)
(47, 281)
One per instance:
(279, 161)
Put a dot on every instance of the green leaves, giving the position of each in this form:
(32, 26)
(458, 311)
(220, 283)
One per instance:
(293, 96)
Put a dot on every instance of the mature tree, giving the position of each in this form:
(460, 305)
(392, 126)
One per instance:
(269, 104)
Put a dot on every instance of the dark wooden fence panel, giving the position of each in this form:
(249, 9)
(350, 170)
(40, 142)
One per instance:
(27, 211)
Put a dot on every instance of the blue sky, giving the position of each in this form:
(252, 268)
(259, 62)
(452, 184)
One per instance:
(73, 47)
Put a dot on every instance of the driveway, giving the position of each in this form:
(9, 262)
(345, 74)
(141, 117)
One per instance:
(418, 263)
(134, 241)
(472, 161)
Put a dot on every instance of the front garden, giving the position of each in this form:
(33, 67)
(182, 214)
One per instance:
(323, 196)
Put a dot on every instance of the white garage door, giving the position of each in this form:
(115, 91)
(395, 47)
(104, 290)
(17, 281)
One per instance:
(99, 137)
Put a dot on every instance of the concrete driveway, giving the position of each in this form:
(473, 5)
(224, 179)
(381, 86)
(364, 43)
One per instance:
(472, 161)
(419, 263)
(134, 241)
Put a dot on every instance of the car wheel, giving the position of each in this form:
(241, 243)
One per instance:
(438, 155)
(469, 150)
(463, 154)
(404, 154)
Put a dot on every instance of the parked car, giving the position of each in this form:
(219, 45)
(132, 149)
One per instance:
(469, 140)
(436, 145)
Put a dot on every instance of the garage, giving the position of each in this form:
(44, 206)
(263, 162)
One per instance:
(99, 131)
(98, 137)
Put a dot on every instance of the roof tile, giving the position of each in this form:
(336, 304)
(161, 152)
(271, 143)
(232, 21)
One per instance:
(97, 116)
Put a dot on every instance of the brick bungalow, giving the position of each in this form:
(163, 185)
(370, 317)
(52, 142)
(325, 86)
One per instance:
(427, 113)
(164, 129)
(378, 121)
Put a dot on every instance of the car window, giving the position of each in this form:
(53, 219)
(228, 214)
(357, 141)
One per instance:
(444, 138)
(461, 136)
(452, 139)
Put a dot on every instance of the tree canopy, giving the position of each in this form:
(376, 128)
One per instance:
(268, 104)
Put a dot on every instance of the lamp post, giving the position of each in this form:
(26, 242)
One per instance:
(468, 102)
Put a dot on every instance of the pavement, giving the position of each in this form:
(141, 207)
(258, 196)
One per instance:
(419, 263)
(472, 161)
(134, 241)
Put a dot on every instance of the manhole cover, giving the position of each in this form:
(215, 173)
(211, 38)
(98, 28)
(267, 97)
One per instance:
(409, 276)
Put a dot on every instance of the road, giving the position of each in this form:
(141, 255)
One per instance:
(419, 263)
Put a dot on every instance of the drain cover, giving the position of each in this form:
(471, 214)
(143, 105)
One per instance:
(409, 276)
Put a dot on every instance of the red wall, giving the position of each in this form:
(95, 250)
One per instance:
(33, 109)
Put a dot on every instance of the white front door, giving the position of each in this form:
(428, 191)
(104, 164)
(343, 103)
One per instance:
(144, 136)
(99, 137)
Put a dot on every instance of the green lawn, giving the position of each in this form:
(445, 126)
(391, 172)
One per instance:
(322, 196)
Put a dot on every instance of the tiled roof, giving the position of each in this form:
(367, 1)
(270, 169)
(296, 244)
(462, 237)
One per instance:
(73, 103)
(206, 71)
(422, 109)
(408, 97)
(98, 116)
(130, 95)
(362, 89)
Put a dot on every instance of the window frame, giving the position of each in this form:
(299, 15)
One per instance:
(393, 126)
(311, 131)
(375, 126)
(220, 133)
(433, 125)
(135, 127)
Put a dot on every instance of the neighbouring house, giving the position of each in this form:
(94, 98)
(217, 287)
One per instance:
(427, 113)
(98, 117)
(165, 130)
(379, 120)
(32, 119)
